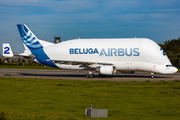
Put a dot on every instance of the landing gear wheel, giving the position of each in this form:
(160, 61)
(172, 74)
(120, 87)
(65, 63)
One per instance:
(100, 75)
(152, 76)
(87, 76)
(104, 75)
(91, 75)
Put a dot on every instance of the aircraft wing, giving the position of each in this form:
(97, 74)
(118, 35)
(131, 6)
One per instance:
(85, 63)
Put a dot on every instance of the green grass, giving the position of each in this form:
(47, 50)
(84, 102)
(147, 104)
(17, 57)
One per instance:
(22, 97)
(26, 66)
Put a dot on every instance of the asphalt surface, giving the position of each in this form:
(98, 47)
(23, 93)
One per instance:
(80, 75)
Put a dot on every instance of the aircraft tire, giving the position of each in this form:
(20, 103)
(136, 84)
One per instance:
(91, 76)
(104, 75)
(99, 75)
(87, 76)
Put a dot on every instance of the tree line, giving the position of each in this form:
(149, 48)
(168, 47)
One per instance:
(172, 50)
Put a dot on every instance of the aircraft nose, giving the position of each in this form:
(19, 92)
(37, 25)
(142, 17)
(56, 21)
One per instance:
(175, 69)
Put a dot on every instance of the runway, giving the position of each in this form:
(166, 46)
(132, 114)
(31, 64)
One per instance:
(80, 75)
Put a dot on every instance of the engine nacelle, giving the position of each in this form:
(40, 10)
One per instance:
(128, 72)
(106, 70)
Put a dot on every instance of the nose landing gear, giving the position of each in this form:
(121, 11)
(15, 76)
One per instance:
(152, 75)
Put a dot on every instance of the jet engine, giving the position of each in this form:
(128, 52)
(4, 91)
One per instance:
(106, 70)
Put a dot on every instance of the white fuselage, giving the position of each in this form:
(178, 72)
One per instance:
(125, 54)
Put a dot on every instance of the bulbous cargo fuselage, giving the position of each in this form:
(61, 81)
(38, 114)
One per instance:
(105, 56)
(125, 54)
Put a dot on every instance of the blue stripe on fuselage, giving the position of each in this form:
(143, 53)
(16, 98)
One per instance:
(42, 57)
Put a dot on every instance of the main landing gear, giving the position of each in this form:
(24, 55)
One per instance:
(90, 75)
(100, 75)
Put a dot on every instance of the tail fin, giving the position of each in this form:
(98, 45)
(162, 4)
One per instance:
(35, 45)
(28, 38)
(7, 51)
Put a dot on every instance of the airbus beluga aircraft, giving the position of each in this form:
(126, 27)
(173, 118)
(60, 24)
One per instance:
(105, 56)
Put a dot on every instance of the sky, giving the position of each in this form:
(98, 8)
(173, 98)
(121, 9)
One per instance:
(158, 20)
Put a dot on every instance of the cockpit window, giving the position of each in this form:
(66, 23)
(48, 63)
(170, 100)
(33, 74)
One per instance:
(169, 65)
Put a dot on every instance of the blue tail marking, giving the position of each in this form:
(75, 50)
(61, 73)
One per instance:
(31, 41)
(28, 38)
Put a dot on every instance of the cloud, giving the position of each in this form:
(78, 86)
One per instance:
(164, 2)
(19, 2)
(72, 5)
(146, 17)
(54, 5)
(87, 18)
(123, 4)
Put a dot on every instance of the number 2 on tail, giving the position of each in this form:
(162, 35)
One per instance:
(6, 50)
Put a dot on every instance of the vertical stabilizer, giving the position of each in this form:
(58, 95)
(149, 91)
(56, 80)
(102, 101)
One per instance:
(35, 45)
(28, 38)
(7, 51)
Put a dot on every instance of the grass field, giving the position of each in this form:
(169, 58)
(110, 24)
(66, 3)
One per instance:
(44, 99)
(26, 66)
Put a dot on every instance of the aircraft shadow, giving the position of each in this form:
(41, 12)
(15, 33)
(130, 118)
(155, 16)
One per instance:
(96, 76)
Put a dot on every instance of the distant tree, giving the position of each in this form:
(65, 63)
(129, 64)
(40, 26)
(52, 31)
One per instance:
(172, 49)
(1, 62)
